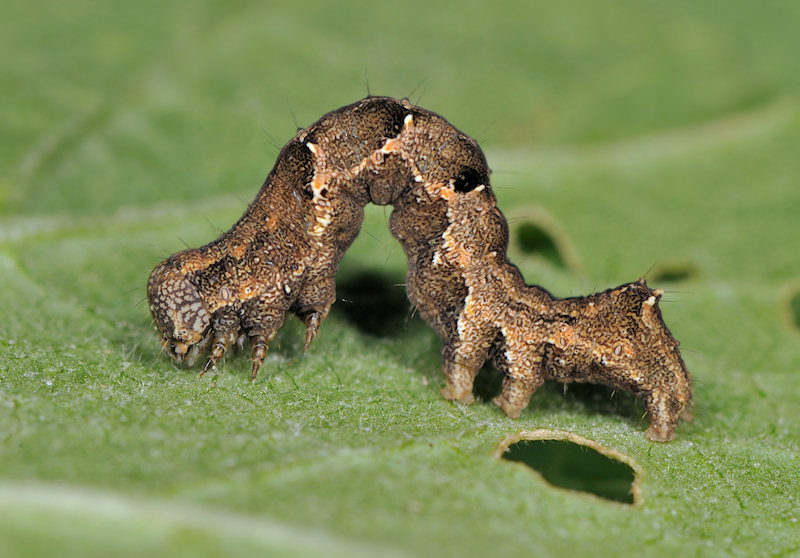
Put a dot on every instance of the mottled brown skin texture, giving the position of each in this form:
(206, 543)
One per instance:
(282, 255)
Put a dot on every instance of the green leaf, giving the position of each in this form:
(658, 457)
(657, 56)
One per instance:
(639, 136)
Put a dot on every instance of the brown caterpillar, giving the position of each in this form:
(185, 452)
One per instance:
(282, 255)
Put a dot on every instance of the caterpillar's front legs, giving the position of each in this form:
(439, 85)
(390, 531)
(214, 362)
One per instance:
(312, 320)
(260, 341)
(312, 305)
(225, 327)
(262, 317)
(260, 345)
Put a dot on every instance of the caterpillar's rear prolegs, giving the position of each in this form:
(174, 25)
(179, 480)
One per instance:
(524, 374)
(664, 411)
(516, 394)
(460, 379)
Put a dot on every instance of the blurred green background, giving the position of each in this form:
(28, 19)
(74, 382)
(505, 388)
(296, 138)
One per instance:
(625, 138)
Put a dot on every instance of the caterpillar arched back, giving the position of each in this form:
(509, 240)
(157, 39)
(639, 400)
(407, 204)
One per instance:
(282, 255)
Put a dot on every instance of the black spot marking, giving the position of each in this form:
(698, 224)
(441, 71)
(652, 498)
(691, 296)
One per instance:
(469, 179)
(296, 162)
(387, 118)
(395, 119)
(573, 466)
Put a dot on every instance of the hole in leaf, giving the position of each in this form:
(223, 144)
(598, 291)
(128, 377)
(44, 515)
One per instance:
(374, 302)
(533, 239)
(538, 234)
(674, 273)
(569, 461)
(790, 304)
(575, 467)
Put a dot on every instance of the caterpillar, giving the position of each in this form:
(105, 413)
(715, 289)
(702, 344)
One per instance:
(283, 253)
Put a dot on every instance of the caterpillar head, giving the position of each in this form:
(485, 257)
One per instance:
(178, 312)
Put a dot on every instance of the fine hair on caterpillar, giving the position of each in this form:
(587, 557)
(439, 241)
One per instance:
(283, 253)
